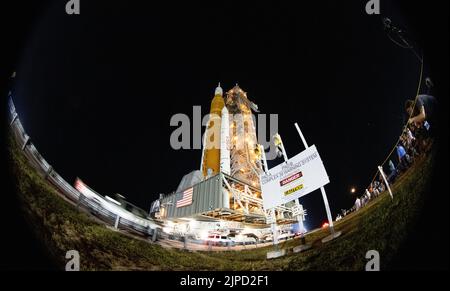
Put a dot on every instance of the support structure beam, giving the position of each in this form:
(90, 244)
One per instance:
(380, 169)
(26, 142)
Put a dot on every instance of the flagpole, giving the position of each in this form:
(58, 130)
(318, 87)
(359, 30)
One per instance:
(334, 234)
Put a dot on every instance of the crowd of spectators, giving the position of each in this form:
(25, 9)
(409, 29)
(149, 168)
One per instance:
(415, 141)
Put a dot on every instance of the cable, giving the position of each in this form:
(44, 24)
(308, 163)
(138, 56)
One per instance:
(391, 29)
(407, 46)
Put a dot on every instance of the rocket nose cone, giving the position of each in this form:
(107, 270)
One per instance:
(224, 110)
(219, 91)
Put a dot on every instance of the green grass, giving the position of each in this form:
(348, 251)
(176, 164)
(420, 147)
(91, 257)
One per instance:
(383, 226)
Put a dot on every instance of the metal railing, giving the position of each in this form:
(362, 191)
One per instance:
(94, 205)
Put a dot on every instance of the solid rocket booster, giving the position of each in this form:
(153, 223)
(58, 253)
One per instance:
(225, 143)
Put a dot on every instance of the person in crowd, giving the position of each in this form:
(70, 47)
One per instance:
(392, 172)
(372, 192)
(376, 192)
(380, 185)
(376, 188)
(424, 116)
(409, 141)
(415, 140)
(375, 184)
(381, 188)
(357, 204)
(402, 158)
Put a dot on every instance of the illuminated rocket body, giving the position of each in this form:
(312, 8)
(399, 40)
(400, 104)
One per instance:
(245, 164)
(230, 141)
(212, 143)
(225, 143)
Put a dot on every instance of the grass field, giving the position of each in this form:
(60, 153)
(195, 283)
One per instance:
(383, 226)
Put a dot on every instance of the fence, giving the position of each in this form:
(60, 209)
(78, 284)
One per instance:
(96, 204)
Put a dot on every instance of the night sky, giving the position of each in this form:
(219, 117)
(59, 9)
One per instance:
(96, 91)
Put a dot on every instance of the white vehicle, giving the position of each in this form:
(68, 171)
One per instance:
(286, 236)
(243, 240)
(217, 239)
(267, 238)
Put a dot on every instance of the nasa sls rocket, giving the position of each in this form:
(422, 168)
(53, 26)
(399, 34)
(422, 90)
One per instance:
(230, 140)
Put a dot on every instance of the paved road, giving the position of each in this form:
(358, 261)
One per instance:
(164, 242)
(204, 247)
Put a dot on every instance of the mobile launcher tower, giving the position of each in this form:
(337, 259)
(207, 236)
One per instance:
(225, 194)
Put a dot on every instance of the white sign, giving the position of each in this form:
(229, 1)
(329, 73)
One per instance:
(298, 177)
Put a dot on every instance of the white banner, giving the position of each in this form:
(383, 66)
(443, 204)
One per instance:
(298, 177)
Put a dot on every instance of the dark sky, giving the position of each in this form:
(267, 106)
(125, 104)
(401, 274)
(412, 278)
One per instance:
(96, 91)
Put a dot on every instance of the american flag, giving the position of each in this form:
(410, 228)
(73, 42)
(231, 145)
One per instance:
(186, 199)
